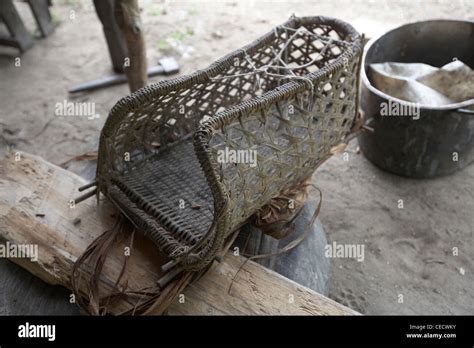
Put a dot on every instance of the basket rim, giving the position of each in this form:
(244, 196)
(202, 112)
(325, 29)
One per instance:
(146, 93)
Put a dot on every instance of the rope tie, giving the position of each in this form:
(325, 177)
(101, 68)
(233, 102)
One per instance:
(277, 62)
(291, 245)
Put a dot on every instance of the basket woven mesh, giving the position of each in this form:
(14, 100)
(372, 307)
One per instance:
(290, 96)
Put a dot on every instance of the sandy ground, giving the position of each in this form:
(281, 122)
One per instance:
(408, 251)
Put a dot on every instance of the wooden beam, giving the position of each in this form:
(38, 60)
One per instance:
(115, 40)
(127, 15)
(40, 9)
(34, 209)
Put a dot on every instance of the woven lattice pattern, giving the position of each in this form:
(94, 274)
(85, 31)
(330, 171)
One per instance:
(160, 190)
(288, 97)
(290, 138)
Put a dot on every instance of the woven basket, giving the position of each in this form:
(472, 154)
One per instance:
(291, 96)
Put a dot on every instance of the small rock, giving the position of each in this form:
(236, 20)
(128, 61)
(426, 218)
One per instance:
(217, 35)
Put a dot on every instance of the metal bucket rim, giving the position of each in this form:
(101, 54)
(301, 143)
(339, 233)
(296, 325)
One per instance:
(460, 106)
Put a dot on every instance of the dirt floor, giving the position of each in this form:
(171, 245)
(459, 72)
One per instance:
(408, 251)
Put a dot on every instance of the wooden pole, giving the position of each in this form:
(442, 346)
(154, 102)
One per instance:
(127, 14)
(113, 35)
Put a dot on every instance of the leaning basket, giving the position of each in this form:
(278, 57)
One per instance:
(290, 96)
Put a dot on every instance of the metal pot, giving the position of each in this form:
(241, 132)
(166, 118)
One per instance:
(441, 140)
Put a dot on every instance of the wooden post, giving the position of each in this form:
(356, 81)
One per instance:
(115, 41)
(40, 9)
(20, 37)
(127, 14)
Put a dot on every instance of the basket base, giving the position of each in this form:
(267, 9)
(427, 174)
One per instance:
(306, 264)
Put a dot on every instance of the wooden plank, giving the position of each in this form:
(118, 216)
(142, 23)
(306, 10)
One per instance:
(34, 196)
